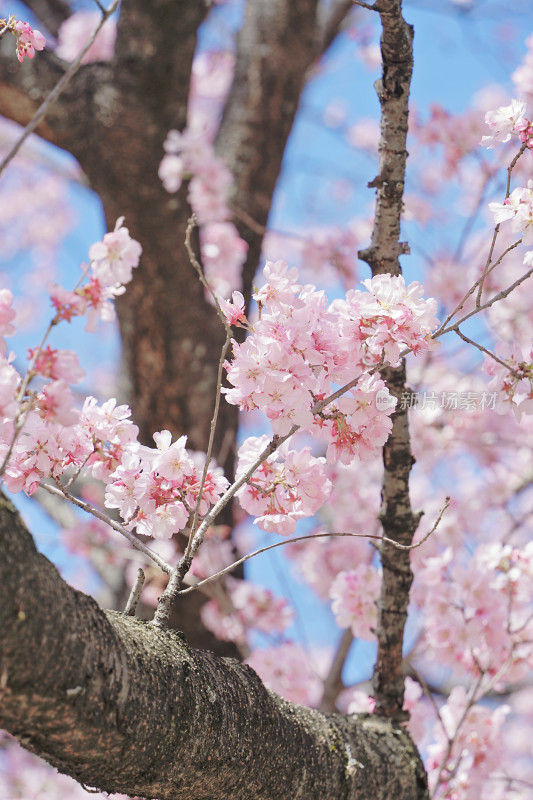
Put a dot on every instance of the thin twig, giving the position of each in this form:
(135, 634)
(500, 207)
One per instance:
(60, 492)
(135, 594)
(318, 536)
(249, 221)
(191, 225)
(497, 297)
(486, 270)
(58, 88)
(222, 359)
(486, 351)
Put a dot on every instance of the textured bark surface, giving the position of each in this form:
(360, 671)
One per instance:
(124, 707)
(398, 521)
(277, 44)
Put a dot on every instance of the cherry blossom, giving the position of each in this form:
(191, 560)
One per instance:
(502, 122)
(7, 315)
(28, 40)
(354, 596)
(518, 207)
(76, 30)
(250, 607)
(234, 311)
(113, 259)
(288, 486)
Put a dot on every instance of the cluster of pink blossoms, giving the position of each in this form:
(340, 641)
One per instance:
(156, 489)
(355, 594)
(508, 121)
(302, 348)
(28, 39)
(190, 155)
(288, 486)
(481, 612)
(111, 263)
(252, 607)
(476, 755)
(515, 383)
(519, 208)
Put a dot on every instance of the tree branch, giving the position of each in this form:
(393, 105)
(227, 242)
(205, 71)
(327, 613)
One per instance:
(334, 17)
(399, 522)
(277, 44)
(50, 12)
(120, 705)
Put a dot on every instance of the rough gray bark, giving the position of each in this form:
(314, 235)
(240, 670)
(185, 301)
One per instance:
(128, 708)
(398, 521)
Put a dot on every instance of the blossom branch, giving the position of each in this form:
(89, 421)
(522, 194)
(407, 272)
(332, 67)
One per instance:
(497, 228)
(485, 350)
(59, 491)
(444, 328)
(265, 549)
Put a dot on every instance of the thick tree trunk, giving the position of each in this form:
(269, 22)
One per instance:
(127, 708)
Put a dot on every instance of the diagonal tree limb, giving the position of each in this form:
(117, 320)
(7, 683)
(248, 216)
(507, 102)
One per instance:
(334, 16)
(120, 705)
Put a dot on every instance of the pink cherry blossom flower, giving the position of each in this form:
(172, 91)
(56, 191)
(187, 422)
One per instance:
(113, 259)
(76, 30)
(9, 382)
(28, 40)
(58, 364)
(234, 310)
(354, 594)
(67, 304)
(56, 403)
(7, 314)
(287, 487)
(502, 122)
(171, 172)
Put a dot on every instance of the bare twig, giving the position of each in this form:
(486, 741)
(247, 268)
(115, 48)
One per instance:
(135, 594)
(60, 492)
(380, 538)
(225, 346)
(333, 684)
(485, 350)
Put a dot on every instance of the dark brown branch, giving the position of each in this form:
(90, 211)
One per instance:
(333, 684)
(51, 13)
(122, 706)
(335, 16)
(399, 522)
(276, 46)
